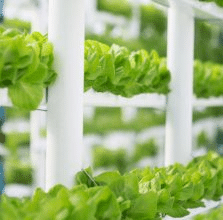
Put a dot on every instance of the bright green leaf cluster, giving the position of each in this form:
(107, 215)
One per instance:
(17, 171)
(117, 70)
(154, 193)
(218, 2)
(215, 214)
(17, 23)
(25, 66)
(208, 79)
(59, 203)
(142, 194)
(120, 158)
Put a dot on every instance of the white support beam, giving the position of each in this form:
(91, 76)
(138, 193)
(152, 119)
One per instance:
(179, 103)
(38, 147)
(65, 101)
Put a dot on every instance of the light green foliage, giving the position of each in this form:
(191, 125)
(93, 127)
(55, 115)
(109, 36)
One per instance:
(214, 214)
(120, 158)
(142, 194)
(203, 140)
(115, 7)
(17, 23)
(218, 2)
(106, 158)
(18, 172)
(25, 66)
(121, 72)
(174, 189)
(208, 79)
(15, 113)
(148, 148)
(60, 203)
(15, 139)
(109, 119)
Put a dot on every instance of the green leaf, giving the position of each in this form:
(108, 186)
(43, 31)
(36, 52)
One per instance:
(186, 192)
(25, 95)
(24, 61)
(198, 191)
(177, 210)
(8, 76)
(131, 187)
(85, 177)
(193, 204)
(38, 76)
(144, 207)
(107, 206)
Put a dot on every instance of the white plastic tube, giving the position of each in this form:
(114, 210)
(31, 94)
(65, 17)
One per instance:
(38, 147)
(65, 101)
(180, 56)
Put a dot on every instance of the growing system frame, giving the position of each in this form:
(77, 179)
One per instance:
(65, 103)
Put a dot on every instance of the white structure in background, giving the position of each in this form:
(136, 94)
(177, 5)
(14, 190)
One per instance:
(180, 57)
(3, 152)
(96, 21)
(38, 147)
(65, 98)
(89, 112)
(17, 125)
(41, 16)
(133, 30)
(128, 113)
(180, 51)
(65, 101)
(22, 9)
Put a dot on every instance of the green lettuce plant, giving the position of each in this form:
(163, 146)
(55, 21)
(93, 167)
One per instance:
(121, 72)
(154, 193)
(208, 79)
(25, 66)
(214, 214)
(141, 194)
(218, 2)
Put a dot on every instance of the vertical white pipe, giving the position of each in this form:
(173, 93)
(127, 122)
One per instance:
(133, 30)
(90, 14)
(128, 113)
(65, 101)
(179, 103)
(37, 147)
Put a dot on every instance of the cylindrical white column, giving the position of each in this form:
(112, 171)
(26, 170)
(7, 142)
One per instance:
(179, 102)
(128, 113)
(38, 147)
(65, 101)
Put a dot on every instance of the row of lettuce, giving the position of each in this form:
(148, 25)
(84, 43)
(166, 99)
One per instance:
(214, 214)
(117, 70)
(125, 8)
(153, 30)
(27, 68)
(141, 194)
(19, 170)
(121, 72)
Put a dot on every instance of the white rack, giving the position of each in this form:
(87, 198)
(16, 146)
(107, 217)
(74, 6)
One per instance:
(68, 91)
(66, 99)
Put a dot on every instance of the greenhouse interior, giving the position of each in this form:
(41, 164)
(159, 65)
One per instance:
(111, 110)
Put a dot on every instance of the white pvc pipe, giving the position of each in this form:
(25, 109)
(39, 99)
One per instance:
(65, 101)
(128, 113)
(37, 147)
(179, 103)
